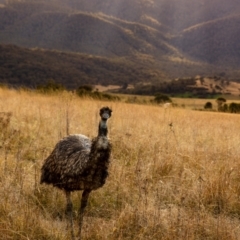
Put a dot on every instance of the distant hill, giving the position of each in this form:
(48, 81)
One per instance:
(120, 41)
(215, 42)
(200, 87)
(32, 67)
(175, 15)
(97, 34)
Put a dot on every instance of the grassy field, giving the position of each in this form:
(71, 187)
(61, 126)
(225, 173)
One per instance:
(174, 174)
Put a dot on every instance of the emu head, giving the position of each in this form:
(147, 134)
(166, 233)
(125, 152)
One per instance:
(105, 113)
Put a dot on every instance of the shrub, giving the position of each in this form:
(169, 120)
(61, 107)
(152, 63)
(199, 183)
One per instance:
(220, 101)
(87, 91)
(234, 107)
(225, 108)
(208, 105)
(162, 98)
(50, 86)
(88, 88)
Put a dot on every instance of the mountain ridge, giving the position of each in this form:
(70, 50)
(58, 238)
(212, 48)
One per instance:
(220, 47)
(167, 38)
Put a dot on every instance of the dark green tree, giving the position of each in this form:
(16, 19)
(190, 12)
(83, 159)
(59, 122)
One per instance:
(225, 107)
(234, 107)
(208, 105)
(220, 101)
(162, 98)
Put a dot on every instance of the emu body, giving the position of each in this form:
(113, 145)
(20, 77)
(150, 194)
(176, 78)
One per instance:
(78, 163)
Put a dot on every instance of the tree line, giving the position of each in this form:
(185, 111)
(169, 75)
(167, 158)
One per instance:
(222, 106)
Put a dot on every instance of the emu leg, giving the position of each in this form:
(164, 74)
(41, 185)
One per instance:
(70, 213)
(84, 201)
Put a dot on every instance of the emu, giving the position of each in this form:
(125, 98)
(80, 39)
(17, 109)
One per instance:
(78, 163)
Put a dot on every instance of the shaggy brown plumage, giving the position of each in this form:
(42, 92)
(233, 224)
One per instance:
(78, 163)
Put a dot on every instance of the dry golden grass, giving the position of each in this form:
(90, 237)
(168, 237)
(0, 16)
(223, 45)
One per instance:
(175, 173)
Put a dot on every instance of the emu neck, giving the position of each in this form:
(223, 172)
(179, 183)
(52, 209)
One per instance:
(102, 128)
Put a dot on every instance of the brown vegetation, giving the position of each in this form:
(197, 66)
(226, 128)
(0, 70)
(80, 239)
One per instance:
(174, 172)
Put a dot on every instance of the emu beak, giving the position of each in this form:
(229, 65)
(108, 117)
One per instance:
(105, 116)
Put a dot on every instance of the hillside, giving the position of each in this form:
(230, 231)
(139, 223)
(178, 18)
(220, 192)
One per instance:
(174, 15)
(157, 40)
(34, 67)
(22, 66)
(216, 41)
(31, 67)
(194, 87)
(34, 26)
